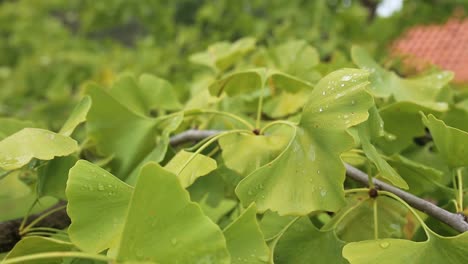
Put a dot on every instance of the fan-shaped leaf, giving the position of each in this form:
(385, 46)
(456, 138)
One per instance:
(308, 175)
(18, 149)
(199, 166)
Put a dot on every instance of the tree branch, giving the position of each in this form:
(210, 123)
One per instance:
(9, 235)
(456, 221)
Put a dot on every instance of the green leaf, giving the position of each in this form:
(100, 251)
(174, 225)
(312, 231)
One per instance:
(77, 117)
(18, 149)
(285, 103)
(420, 90)
(297, 58)
(118, 131)
(255, 79)
(385, 170)
(164, 226)
(222, 55)
(200, 165)
(97, 206)
(348, 222)
(12, 187)
(165, 127)
(257, 150)
(304, 243)
(309, 174)
(10, 126)
(245, 240)
(35, 244)
(401, 119)
(394, 251)
(53, 176)
(273, 225)
(451, 142)
(149, 93)
(419, 177)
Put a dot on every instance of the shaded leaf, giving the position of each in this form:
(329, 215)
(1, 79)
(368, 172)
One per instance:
(245, 240)
(304, 243)
(35, 244)
(10, 126)
(53, 176)
(77, 117)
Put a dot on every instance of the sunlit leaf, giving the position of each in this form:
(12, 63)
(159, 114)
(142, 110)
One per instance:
(222, 55)
(244, 239)
(308, 175)
(77, 117)
(35, 244)
(164, 226)
(146, 94)
(420, 90)
(200, 165)
(257, 150)
(18, 149)
(97, 206)
(451, 142)
(394, 251)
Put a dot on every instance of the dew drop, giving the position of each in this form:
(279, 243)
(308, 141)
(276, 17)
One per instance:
(174, 241)
(353, 102)
(51, 136)
(346, 78)
(260, 186)
(321, 109)
(342, 85)
(100, 187)
(384, 244)
(318, 171)
(323, 93)
(323, 193)
(250, 192)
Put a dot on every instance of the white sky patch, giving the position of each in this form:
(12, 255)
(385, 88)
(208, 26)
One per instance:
(387, 7)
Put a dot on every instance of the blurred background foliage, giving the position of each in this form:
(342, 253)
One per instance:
(50, 48)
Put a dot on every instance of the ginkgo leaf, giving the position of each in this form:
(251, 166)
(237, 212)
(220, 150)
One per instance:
(452, 143)
(77, 117)
(309, 174)
(36, 244)
(11, 187)
(164, 226)
(420, 90)
(257, 150)
(285, 103)
(165, 128)
(385, 170)
(347, 223)
(200, 165)
(97, 206)
(222, 55)
(244, 239)
(53, 176)
(436, 249)
(146, 94)
(304, 243)
(118, 131)
(255, 79)
(10, 126)
(297, 58)
(18, 149)
(403, 121)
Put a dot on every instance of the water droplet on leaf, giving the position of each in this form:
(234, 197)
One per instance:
(384, 244)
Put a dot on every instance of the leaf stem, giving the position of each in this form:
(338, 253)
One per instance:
(59, 254)
(37, 220)
(260, 106)
(460, 189)
(278, 122)
(376, 219)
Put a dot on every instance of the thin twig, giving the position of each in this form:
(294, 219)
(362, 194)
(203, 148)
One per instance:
(9, 230)
(456, 221)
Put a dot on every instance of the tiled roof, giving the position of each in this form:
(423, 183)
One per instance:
(443, 45)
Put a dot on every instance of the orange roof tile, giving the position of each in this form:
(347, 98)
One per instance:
(443, 45)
